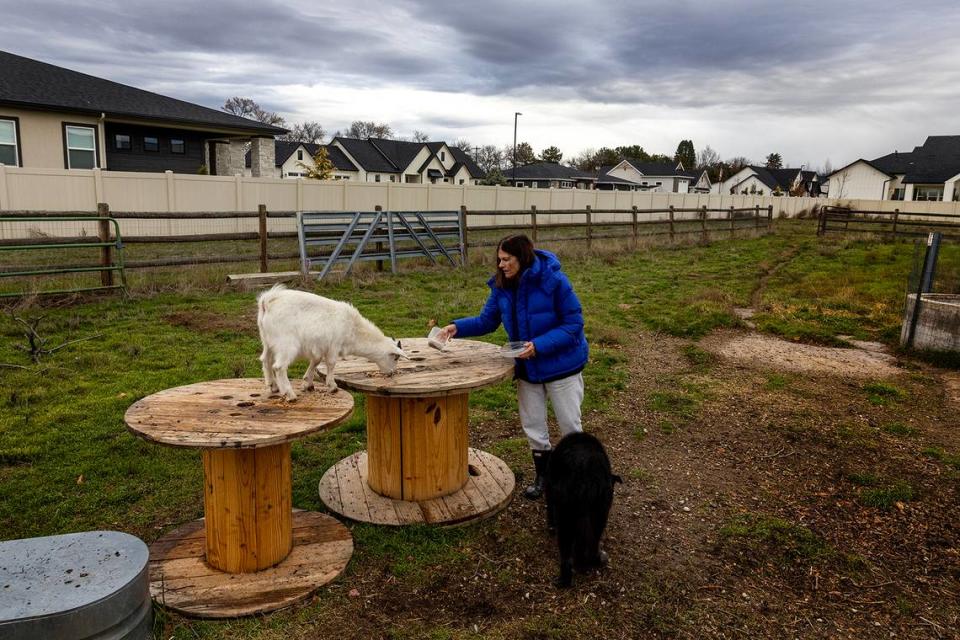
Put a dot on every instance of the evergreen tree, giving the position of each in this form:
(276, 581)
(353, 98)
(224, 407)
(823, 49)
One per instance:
(551, 154)
(686, 155)
(774, 161)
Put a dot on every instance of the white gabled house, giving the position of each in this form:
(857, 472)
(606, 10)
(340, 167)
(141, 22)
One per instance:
(289, 158)
(929, 172)
(631, 175)
(382, 160)
(763, 181)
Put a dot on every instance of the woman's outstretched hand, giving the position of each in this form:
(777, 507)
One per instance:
(529, 351)
(448, 331)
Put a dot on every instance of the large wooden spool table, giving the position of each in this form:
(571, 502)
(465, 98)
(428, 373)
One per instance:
(251, 552)
(418, 467)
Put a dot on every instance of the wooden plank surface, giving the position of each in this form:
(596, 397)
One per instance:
(233, 413)
(488, 490)
(182, 581)
(464, 365)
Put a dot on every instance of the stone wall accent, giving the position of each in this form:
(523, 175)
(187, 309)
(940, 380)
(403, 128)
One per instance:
(262, 158)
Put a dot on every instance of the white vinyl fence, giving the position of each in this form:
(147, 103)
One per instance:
(28, 189)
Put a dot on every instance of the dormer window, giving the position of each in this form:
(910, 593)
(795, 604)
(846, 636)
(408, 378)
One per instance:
(443, 156)
(299, 154)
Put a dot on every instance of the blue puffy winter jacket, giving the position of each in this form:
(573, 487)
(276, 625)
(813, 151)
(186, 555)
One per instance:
(548, 314)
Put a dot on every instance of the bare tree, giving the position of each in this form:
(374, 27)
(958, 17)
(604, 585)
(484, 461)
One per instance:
(708, 158)
(419, 136)
(364, 129)
(488, 158)
(248, 108)
(309, 131)
(463, 143)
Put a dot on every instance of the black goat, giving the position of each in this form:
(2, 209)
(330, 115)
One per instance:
(579, 493)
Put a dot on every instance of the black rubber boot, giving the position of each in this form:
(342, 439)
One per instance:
(540, 461)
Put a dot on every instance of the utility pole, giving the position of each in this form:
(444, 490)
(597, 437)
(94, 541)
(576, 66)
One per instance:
(515, 146)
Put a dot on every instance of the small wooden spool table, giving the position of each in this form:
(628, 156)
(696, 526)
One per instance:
(252, 552)
(418, 467)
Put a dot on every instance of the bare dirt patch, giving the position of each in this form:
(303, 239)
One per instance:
(771, 352)
(210, 322)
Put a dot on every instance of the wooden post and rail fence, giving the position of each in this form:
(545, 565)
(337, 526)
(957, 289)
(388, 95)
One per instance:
(561, 226)
(891, 225)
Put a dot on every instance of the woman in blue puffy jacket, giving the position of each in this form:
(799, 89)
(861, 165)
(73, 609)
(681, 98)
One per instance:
(535, 302)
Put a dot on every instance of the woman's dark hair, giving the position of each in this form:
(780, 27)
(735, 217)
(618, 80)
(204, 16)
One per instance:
(520, 247)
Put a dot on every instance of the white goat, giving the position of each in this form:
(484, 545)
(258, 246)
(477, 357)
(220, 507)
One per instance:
(296, 324)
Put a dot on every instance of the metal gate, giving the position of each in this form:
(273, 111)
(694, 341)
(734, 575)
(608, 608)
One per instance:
(330, 237)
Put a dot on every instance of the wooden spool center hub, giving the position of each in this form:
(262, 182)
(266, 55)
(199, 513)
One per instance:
(247, 505)
(417, 447)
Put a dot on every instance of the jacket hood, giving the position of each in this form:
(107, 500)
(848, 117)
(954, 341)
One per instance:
(543, 269)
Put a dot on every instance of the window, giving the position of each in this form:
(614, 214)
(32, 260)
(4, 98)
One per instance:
(177, 145)
(81, 149)
(898, 193)
(928, 193)
(565, 184)
(393, 178)
(121, 142)
(9, 143)
(299, 154)
(376, 178)
(151, 143)
(461, 180)
(519, 183)
(443, 156)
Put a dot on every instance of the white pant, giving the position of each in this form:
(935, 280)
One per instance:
(565, 395)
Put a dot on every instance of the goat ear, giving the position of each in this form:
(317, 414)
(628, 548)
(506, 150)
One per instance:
(401, 354)
(399, 346)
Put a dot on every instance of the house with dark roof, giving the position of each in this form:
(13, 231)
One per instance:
(633, 175)
(56, 118)
(383, 160)
(763, 181)
(929, 172)
(290, 158)
(550, 175)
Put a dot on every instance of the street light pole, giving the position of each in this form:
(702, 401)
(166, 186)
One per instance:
(517, 113)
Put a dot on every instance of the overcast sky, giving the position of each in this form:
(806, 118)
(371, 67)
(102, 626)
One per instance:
(811, 80)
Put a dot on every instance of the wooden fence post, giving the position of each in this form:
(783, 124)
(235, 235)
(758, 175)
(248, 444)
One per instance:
(636, 229)
(262, 215)
(731, 216)
(703, 223)
(464, 259)
(103, 233)
(671, 223)
(589, 227)
(769, 216)
(756, 217)
(379, 244)
(533, 222)
(896, 216)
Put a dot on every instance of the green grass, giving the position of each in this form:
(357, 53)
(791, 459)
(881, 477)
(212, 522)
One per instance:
(776, 382)
(887, 496)
(781, 538)
(899, 429)
(883, 393)
(937, 453)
